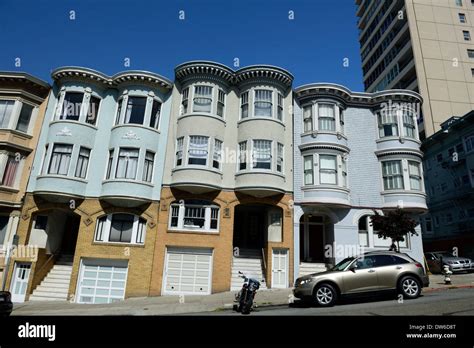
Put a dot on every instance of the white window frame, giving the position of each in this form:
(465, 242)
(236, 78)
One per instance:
(272, 93)
(305, 170)
(280, 157)
(372, 236)
(310, 118)
(14, 116)
(217, 153)
(179, 149)
(326, 170)
(127, 158)
(244, 101)
(188, 156)
(208, 209)
(220, 102)
(51, 159)
(103, 229)
(253, 160)
(243, 153)
(87, 165)
(184, 101)
(207, 96)
(145, 166)
(334, 117)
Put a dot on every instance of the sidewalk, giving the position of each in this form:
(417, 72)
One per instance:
(165, 305)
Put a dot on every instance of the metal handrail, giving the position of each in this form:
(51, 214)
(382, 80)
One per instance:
(264, 262)
(44, 264)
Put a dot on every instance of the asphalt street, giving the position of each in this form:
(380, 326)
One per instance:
(447, 302)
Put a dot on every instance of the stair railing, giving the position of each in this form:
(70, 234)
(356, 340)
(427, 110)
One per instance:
(264, 262)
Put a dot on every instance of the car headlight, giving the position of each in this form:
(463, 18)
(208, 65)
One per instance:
(305, 281)
(450, 262)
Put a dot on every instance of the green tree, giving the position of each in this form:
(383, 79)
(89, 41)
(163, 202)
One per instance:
(394, 224)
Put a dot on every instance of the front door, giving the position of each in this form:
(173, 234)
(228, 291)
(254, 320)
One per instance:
(279, 268)
(21, 275)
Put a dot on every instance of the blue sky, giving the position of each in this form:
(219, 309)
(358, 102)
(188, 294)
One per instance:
(312, 46)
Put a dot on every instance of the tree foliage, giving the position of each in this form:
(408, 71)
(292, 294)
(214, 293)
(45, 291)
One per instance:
(394, 224)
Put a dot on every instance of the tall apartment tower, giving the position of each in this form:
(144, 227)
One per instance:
(422, 45)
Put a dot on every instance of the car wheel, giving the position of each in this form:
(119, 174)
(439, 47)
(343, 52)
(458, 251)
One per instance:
(325, 295)
(409, 287)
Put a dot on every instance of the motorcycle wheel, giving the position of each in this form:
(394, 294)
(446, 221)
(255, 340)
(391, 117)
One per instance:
(247, 307)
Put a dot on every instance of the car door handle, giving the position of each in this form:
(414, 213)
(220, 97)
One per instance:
(371, 270)
(399, 267)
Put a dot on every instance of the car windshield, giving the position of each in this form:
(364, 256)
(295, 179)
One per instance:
(343, 264)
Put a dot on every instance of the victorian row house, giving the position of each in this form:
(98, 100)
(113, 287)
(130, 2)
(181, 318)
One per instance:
(142, 187)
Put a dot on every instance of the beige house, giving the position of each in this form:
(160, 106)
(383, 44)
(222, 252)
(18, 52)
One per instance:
(23, 100)
(422, 45)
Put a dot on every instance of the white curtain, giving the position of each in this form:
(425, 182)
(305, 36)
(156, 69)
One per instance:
(82, 162)
(60, 159)
(202, 99)
(127, 164)
(326, 117)
(262, 152)
(198, 147)
(415, 175)
(393, 176)
(263, 103)
(308, 118)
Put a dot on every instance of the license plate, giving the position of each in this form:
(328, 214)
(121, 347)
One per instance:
(467, 266)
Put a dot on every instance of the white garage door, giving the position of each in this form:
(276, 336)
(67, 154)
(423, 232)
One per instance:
(102, 281)
(188, 271)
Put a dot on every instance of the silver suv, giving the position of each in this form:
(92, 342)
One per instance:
(371, 272)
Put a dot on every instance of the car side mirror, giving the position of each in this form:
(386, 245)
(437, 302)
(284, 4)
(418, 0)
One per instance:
(353, 267)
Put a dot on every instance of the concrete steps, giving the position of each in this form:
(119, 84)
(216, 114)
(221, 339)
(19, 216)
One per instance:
(55, 285)
(250, 265)
(309, 268)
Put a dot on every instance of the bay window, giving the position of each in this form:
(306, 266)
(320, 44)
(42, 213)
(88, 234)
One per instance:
(344, 173)
(71, 107)
(308, 118)
(179, 151)
(121, 228)
(93, 110)
(409, 125)
(184, 101)
(415, 175)
(127, 164)
(280, 107)
(328, 169)
(202, 99)
(217, 155)
(244, 105)
(135, 111)
(10, 171)
(148, 166)
(24, 118)
(6, 110)
(326, 117)
(388, 124)
(198, 150)
(308, 170)
(392, 175)
(220, 103)
(109, 164)
(243, 155)
(60, 159)
(195, 215)
(155, 114)
(279, 157)
(263, 103)
(82, 162)
(262, 154)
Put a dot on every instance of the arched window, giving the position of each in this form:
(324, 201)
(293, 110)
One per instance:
(121, 228)
(194, 215)
(370, 239)
(363, 231)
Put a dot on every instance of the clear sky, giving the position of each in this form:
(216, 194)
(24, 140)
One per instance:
(312, 46)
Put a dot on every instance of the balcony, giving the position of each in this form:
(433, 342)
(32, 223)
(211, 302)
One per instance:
(126, 193)
(328, 195)
(414, 201)
(260, 183)
(60, 188)
(196, 179)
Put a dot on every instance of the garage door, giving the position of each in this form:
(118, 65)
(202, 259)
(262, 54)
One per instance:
(188, 271)
(102, 281)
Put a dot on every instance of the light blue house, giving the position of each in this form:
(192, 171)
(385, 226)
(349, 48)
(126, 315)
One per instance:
(353, 153)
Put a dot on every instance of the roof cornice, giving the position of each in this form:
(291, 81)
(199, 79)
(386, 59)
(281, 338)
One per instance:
(131, 76)
(35, 85)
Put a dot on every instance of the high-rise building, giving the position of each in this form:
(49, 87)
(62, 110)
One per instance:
(422, 45)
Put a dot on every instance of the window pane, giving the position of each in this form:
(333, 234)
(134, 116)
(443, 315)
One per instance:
(308, 170)
(262, 154)
(60, 159)
(135, 112)
(263, 103)
(148, 166)
(9, 175)
(179, 151)
(72, 106)
(109, 165)
(6, 108)
(392, 175)
(121, 228)
(24, 119)
(198, 150)
(243, 155)
(155, 114)
(202, 99)
(127, 163)
(217, 156)
(244, 100)
(328, 172)
(93, 110)
(82, 162)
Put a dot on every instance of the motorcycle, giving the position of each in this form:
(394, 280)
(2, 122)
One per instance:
(246, 295)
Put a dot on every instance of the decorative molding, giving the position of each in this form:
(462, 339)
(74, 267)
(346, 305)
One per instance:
(65, 132)
(130, 135)
(87, 221)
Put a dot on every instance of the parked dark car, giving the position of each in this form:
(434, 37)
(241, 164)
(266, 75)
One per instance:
(6, 305)
(438, 259)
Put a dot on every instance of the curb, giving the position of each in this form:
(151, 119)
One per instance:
(449, 287)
